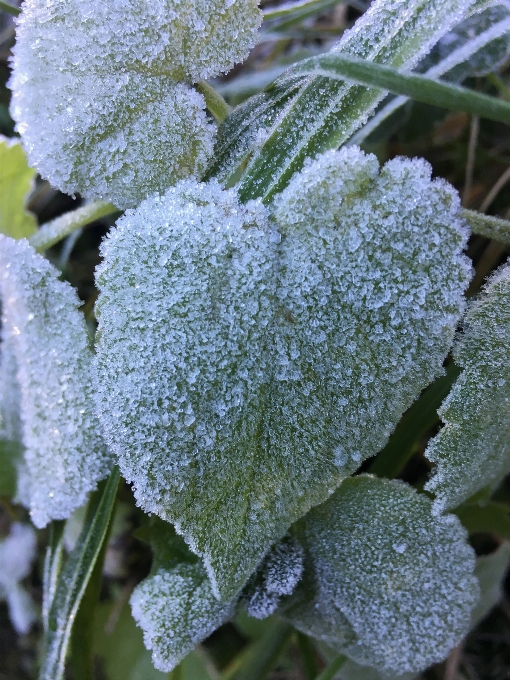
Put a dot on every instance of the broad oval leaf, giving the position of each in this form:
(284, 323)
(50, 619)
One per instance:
(65, 455)
(241, 378)
(106, 117)
(473, 449)
(386, 582)
(16, 183)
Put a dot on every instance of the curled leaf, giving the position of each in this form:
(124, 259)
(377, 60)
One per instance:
(64, 455)
(386, 582)
(473, 449)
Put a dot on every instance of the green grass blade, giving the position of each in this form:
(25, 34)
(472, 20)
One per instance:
(10, 9)
(263, 654)
(52, 568)
(74, 578)
(54, 231)
(420, 88)
(330, 671)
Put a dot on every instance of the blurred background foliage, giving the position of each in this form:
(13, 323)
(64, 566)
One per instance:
(472, 154)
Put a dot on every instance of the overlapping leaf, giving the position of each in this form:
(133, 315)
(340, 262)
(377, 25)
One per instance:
(64, 455)
(242, 378)
(374, 587)
(16, 182)
(473, 449)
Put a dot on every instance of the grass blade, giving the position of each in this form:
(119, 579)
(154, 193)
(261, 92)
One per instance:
(52, 568)
(74, 578)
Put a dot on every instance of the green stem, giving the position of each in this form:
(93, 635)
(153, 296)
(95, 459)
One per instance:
(308, 655)
(263, 654)
(214, 101)
(330, 671)
(6, 7)
(488, 226)
(54, 231)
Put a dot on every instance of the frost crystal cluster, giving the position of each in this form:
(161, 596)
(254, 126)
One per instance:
(17, 552)
(394, 585)
(43, 330)
(110, 116)
(473, 449)
(247, 363)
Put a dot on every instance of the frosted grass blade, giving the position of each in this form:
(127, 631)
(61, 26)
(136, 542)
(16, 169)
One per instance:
(74, 578)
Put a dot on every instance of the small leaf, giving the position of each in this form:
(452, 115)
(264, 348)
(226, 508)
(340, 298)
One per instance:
(175, 605)
(64, 454)
(491, 571)
(386, 582)
(220, 339)
(473, 449)
(74, 577)
(16, 183)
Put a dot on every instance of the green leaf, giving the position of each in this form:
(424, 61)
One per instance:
(74, 578)
(373, 588)
(16, 183)
(421, 88)
(488, 517)
(473, 449)
(491, 571)
(10, 453)
(325, 113)
(203, 295)
(175, 605)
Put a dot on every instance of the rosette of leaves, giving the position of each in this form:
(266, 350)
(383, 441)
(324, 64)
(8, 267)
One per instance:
(386, 582)
(249, 360)
(473, 449)
(112, 115)
(46, 366)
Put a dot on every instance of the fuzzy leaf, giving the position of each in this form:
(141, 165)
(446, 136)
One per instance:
(473, 449)
(216, 340)
(16, 183)
(106, 117)
(65, 455)
(394, 585)
(175, 605)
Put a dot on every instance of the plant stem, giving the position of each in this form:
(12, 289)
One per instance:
(54, 231)
(11, 9)
(330, 671)
(214, 101)
(488, 226)
(263, 654)
(308, 656)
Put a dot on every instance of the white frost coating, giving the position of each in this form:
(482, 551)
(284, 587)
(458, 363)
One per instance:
(393, 582)
(17, 552)
(278, 576)
(65, 455)
(473, 449)
(218, 343)
(102, 117)
(176, 609)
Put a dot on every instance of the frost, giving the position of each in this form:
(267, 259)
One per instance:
(221, 342)
(64, 454)
(279, 574)
(175, 606)
(473, 449)
(105, 117)
(398, 611)
(17, 552)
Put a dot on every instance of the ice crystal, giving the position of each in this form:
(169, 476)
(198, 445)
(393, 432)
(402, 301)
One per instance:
(218, 341)
(175, 605)
(64, 453)
(473, 449)
(105, 117)
(279, 575)
(394, 584)
(17, 552)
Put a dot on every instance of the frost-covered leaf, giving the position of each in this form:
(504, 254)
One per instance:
(64, 455)
(473, 449)
(278, 575)
(106, 117)
(17, 552)
(394, 585)
(16, 182)
(216, 341)
(175, 605)
(491, 571)
(323, 114)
